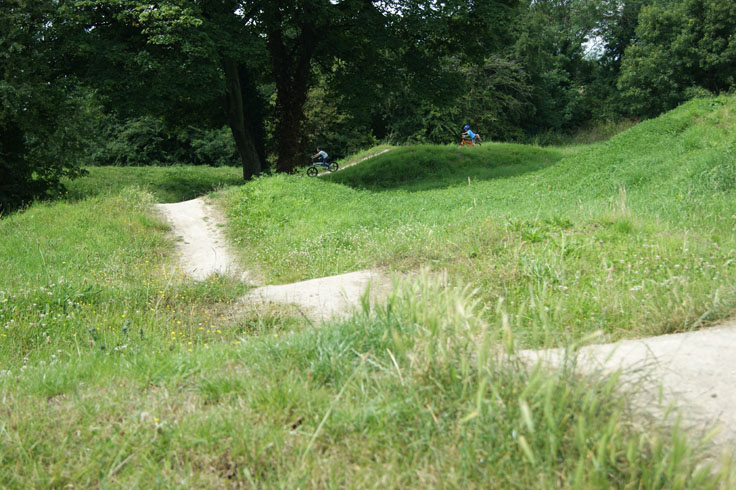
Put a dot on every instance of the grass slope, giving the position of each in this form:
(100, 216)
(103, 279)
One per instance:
(633, 236)
(117, 372)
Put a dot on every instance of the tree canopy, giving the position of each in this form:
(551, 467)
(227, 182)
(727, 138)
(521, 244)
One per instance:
(682, 49)
(38, 104)
(285, 75)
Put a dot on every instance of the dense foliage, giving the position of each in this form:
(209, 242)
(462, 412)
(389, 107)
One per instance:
(285, 76)
(146, 141)
(40, 128)
(683, 49)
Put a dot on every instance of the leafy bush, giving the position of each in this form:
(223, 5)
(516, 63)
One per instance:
(332, 129)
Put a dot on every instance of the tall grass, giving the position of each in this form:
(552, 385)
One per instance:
(593, 133)
(99, 275)
(420, 393)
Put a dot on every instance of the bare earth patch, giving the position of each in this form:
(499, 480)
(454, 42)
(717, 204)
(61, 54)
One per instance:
(326, 297)
(359, 160)
(366, 158)
(693, 371)
(202, 248)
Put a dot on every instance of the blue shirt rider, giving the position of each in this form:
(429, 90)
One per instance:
(321, 156)
(469, 134)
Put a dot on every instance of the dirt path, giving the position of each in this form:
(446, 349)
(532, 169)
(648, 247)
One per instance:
(202, 251)
(201, 247)
(366, 158)
(359, 160)
(326, 297)
(696, 371)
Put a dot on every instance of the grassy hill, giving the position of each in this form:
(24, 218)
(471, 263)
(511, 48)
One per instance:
(633, 236)
(117, 371)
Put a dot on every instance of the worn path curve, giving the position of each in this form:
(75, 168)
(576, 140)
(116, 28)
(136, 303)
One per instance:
(203, 251)
(202, 248)
(695, 371)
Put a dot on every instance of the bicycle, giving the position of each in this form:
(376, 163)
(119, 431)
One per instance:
(313, 168)
(469, 142)
(466, 141)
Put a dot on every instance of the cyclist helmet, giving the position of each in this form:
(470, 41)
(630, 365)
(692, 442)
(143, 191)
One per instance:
(466, 127)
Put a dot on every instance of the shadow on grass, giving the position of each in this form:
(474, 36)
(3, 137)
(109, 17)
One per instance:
(166, 184)
(425, 167)
(183, 188)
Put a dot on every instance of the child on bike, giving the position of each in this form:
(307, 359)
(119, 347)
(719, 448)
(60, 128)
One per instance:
(470, 135)
(321, 156)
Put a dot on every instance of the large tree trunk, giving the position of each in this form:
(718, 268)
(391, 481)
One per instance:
(291, 69)
(290, 113)
(244, 140)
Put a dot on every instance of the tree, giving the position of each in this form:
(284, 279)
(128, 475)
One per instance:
(447, 68)
(367, 49)
(617, 29)
(551, 48)
(304, 33)
(497, 99)
(681, 48)
(39, 104)
(188, 62)
(182, 55)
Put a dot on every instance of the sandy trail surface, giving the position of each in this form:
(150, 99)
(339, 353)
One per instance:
(203, 251)
(201, 246)
(326, 297)
(359, 160)
(694, 371)
(366, 158)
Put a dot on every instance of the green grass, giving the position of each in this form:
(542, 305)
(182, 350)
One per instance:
(99, 274)
(118, 372)
(633, 236)
(592, 133)
(415, 394)
(166, 184)
(364, 154)
(426, 167)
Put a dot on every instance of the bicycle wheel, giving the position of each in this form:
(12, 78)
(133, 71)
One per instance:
(332, 166)
(312, 171)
